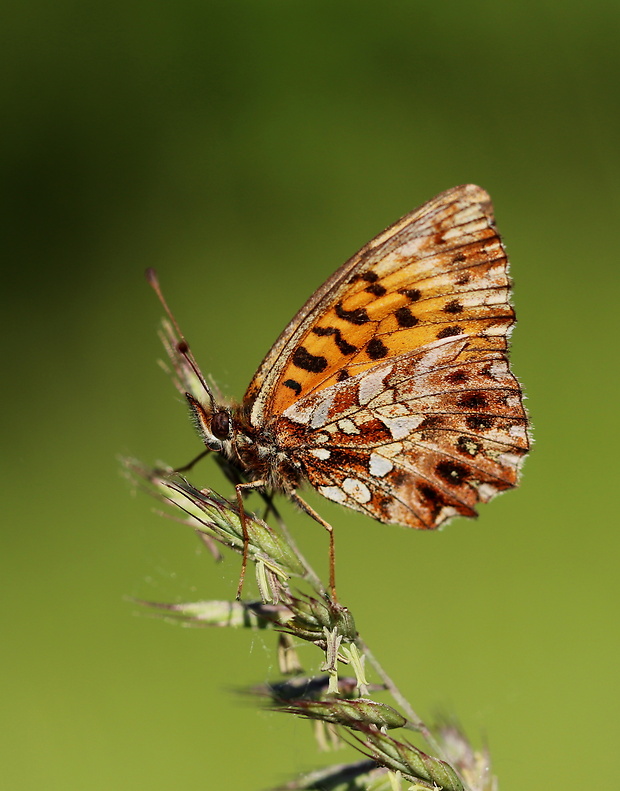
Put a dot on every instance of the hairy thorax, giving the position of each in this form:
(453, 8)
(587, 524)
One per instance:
(258, 456)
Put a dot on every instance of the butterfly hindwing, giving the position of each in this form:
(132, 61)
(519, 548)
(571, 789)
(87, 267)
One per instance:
(416, 439)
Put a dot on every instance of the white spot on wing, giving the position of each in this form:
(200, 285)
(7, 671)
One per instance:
(371, 384)
(509, 459)
(447, 512)
(517, 431)
(321, 413)
(348, 426)
(333, 493)
(312, 410)
(379, 465)
(435, 353)
(357, 490)
(498, 369)
(495, 329)
(400, 427)
(486, 491)
(299, 412)
(320, 453)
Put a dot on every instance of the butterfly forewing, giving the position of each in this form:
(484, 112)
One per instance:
(438, 272)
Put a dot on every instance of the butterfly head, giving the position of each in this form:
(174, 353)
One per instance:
(214, 424)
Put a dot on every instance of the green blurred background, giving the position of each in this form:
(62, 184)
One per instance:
(246, 149)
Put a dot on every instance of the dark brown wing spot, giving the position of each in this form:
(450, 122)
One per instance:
(459, 259)
(344, 346)
(309, 362)
(405, 318)
(370, 277)
(344, 459)
(427, 430)
(473, 401)
(457, 377)
(295, 386)
(411, 293)
(476, 422)
(430, 421)
(342, 375)
(376, 349)
(448, 332)
(434, 499)
(398, 477)
(377, 289)
(453, 307)
(463, 279)
(356, 316)
(468, 446)
(451, 471)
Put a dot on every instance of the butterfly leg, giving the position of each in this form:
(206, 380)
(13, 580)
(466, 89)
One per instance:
(239, 489)
(332, 548)
(269, 507)
(194, 461)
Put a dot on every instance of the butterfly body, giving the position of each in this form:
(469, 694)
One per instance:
(390, 391)
(247, 452)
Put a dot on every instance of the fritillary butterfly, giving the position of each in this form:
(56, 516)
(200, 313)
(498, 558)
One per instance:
(390, 391)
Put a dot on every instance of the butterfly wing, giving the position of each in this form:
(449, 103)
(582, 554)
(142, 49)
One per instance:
(415, 440)
(429, 293)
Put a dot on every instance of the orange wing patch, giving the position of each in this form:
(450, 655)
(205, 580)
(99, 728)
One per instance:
(404, 299)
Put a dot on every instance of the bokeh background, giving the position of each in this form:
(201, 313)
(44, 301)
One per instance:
(246, 150)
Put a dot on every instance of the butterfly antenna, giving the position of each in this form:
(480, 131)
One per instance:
(182, 345)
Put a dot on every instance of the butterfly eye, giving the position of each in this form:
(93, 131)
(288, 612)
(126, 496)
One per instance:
(220, 425)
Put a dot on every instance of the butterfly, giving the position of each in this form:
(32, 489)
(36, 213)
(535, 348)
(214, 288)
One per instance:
(390, 391)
